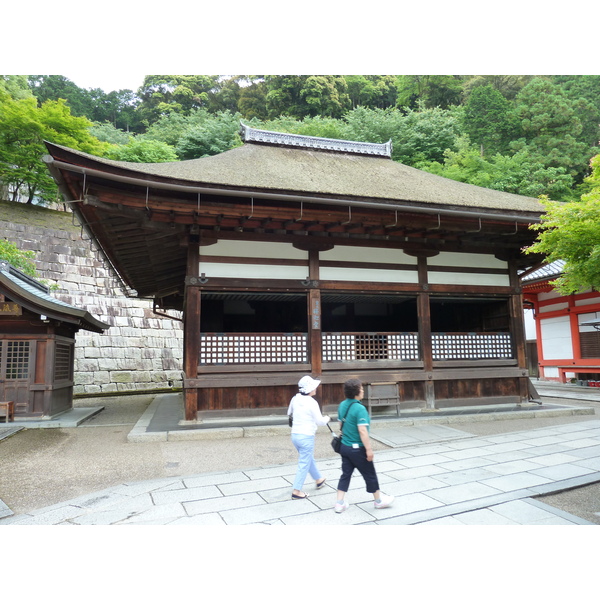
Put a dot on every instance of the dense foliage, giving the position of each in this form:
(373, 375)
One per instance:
(571, 231)
(523, 134)
(529, 135)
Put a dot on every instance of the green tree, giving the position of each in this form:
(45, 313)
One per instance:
(487, 119)
(163, 94)
(516, 174)
(432, 91)
(16, 86)
(107, 132)
(571, 232)
(142, 150)
(302, 96)
(23, 128)
(252, 103)
(57, 87)
(21, 259)
(508, 85)
(372, 91)
(550, 127)
(214, 135)
(325, 127)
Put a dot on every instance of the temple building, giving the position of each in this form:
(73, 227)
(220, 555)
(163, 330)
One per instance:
(293, 255)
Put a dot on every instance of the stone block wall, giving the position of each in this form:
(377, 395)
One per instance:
(141, 350)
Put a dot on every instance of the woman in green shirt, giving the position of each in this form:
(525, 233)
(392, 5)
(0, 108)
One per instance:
(356, 450)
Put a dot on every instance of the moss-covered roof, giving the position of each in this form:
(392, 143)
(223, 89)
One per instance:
(256, 167)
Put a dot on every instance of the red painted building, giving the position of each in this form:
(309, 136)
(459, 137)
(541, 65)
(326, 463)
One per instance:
(567, 327)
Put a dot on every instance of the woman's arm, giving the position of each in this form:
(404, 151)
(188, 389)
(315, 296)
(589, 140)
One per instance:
(366, 440)
(318, 418)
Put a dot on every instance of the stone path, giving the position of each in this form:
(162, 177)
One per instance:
(448, 479)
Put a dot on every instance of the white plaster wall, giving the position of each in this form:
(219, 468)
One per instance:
(468, 279)
(234, 248)
(461, 259)
(257, 250)
(392, 256)
(530, 329)
(383, 275)
(556, 338)
(586, 301)
(554, 307)
(253, 271)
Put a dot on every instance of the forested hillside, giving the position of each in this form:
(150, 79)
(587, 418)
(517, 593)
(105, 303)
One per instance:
(530, 135)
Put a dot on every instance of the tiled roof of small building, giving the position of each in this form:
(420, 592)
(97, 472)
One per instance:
(545, 272)
(17, 285)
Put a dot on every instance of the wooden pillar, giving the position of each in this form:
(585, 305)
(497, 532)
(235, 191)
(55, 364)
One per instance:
(191, 333)
(315, 343)
(517, 329)
(424, 316)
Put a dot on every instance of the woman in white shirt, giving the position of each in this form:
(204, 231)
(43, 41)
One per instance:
(306, 416)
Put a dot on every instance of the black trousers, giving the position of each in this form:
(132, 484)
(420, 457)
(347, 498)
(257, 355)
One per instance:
(356, 458)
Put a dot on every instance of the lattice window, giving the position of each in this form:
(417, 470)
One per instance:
(338, 347)
(471, 346)
(17, 360)
(221, 349)
(63, 362)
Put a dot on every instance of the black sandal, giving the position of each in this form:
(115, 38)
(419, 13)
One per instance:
(297, 497)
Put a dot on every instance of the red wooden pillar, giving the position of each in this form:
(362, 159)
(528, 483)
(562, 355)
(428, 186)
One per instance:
(191, 332)
(574, 325)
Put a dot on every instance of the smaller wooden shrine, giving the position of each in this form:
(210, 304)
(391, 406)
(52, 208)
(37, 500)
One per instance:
(37, 346)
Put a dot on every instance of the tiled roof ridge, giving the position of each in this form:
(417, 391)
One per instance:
(12, 270)
(249, 134)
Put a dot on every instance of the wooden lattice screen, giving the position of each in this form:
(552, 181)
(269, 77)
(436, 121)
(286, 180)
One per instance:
(471, 346)
(63, 362)
(17, 360)
(254, 348)
(261, 348)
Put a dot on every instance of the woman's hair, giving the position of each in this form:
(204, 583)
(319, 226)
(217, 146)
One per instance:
(352, 388)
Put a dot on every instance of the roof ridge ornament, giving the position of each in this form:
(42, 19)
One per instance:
(249, 134)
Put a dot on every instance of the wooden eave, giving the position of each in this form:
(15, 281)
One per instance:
(143, 222)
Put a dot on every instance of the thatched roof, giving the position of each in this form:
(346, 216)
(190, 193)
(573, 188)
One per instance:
(258, 166)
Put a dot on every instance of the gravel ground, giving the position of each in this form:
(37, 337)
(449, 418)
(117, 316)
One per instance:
(41, 467)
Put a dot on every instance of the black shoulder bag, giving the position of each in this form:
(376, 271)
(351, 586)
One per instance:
(336, 442)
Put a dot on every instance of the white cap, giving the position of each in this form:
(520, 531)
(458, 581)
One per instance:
(307, 384)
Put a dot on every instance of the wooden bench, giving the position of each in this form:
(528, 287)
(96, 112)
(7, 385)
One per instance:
(382, 394)
(7, 410)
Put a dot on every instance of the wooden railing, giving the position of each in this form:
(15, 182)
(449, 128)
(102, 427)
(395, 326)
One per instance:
(292, 348)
